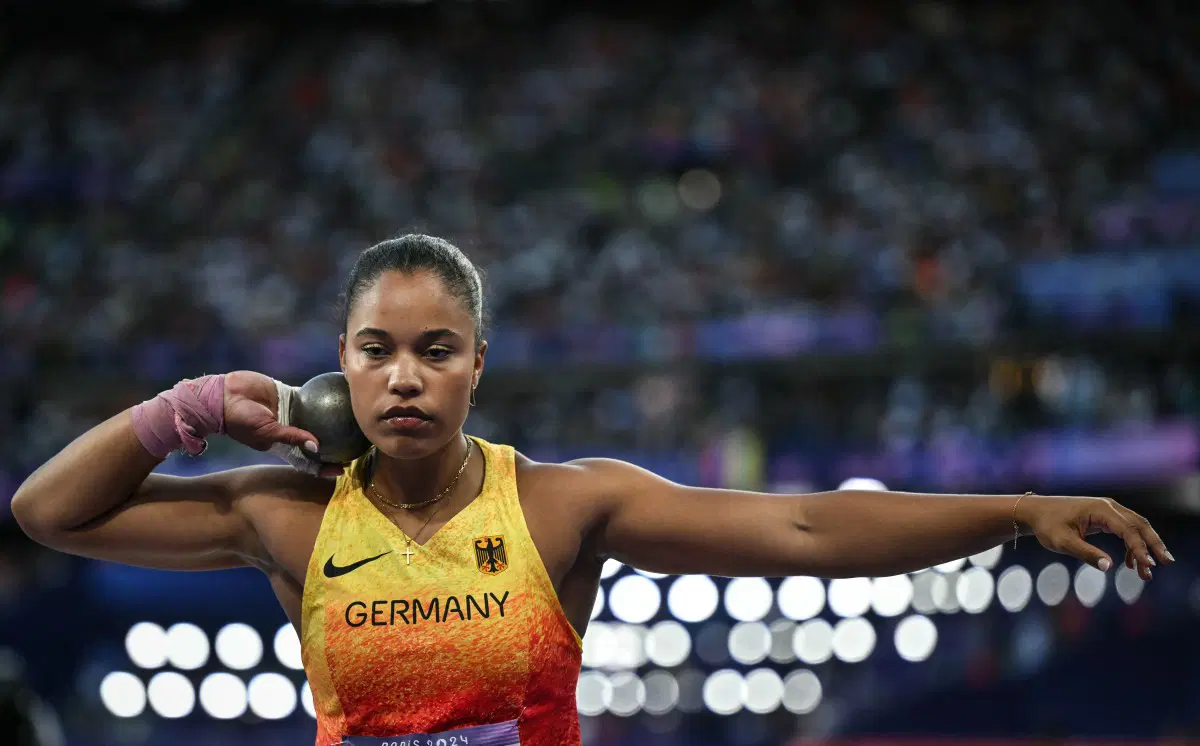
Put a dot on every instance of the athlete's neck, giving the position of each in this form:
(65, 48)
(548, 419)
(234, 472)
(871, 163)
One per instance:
(417, 480)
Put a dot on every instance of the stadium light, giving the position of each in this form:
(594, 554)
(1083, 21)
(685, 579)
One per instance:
(628, 694)
(239, 647)
(599, 645)
(123, 694)
(863, 483)
(891, 596)
(850, 597)
(1089, 585)
(1129, 586)
(662, 692)
(975, 589)
(171, 695)
(306, 700)
(724, 692)
(593, 693)
(748, 599)
(801, 692)
(801, 598)
(1014, 588)
(763, 691)
(813, 642)
(693, 598)
(749, 642)
(223, 696)
(187, 646)
(916, 637)
(146, 645)
(853, 640)
(271, 696)
(287, 648)
(1053, 582)
(634, 599)
(668, 644)
(611, 567)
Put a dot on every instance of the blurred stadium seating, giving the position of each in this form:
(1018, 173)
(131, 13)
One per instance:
(948, 246)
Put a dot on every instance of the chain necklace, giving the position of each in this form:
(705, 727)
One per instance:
(423, 503)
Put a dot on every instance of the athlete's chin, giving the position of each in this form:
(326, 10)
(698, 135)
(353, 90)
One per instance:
(408, 446)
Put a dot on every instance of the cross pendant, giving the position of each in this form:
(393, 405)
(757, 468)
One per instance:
(408, 554)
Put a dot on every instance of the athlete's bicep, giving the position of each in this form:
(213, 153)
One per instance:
(177, 523)
(658, 525)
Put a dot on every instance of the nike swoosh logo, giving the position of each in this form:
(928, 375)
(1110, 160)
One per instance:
(333, 571)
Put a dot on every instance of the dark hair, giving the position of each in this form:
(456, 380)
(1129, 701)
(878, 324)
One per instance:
(414, 253)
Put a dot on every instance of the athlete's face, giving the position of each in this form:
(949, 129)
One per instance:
(409, 356)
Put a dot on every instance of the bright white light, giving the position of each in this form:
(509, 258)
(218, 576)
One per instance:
(628, 694)
(1014, 588)
(923, 600)
(945, 593)
(782, 633)
(853, 640)
(801, 692)
(988, 558)
(146, 644)
(123, 694)
(749, 642)
(764, 691)
(171, 695)
(599, 645)
(850, 597)
(631, 646)
(634, 599)
(239, 646)
(916, 637)
(863, 483)
(951, 566)
(801, 598)
(272, 696)
(1089, 585)
(748, 599)
(306, 699)
(223, 696)
(187, 646)
(648, 574)
(891, 596)
(693, 598)
(974, 589)
(662, 692)
(598, 604)
(1053, 583)
(668, 644)
(287, 648)
(724, 692)
(1129, 585)
(593, 693)
(813, 642)
(611, 567)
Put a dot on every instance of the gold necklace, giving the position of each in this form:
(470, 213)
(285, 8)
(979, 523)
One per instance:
(431, 501)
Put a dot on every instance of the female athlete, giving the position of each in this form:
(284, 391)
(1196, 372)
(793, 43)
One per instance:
(440, 585)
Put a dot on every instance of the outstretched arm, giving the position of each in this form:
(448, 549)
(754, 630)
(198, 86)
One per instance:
(652, 523)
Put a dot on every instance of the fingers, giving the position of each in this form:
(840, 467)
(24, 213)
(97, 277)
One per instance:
(1152, 539)
(294, 436)
(1084, 551)
(1136, 547)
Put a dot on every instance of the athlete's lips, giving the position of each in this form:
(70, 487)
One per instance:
(406, 413)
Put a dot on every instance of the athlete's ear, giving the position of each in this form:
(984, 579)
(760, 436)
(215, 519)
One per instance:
(480, 354)
(342, 351)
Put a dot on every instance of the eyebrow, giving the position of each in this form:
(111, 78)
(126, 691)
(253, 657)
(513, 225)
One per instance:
(370, 331)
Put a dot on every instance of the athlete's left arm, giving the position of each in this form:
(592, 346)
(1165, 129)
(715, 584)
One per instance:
(655, 524)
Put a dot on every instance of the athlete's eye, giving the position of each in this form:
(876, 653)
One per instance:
(439, 353)
(374, 350)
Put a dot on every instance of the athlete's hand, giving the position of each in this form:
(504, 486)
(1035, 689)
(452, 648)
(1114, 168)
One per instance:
(252, 418)
(1062, 524)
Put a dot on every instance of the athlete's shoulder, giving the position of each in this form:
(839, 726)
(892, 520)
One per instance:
(273, 484)
(586, 478)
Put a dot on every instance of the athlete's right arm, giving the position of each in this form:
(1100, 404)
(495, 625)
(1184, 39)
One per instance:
(97, 497)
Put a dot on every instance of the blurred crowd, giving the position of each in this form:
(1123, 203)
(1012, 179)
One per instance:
(211, 185)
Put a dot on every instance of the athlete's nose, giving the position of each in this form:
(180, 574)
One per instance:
(404, 378)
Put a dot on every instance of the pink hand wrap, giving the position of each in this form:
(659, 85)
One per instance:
(182, 416)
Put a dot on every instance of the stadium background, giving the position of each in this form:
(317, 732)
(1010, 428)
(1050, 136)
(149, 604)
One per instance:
(948, 247)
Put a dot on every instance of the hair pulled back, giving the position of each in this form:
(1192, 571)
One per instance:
(411, 254)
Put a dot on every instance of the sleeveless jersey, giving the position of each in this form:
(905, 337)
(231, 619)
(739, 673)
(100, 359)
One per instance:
(463, 642)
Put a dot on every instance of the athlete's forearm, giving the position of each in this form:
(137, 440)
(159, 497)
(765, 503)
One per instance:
(97, 472)
(857, 532)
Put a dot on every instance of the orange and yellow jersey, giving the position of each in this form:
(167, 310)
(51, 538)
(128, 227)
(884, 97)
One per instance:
(459, 642)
